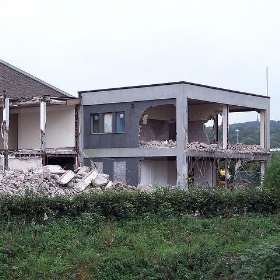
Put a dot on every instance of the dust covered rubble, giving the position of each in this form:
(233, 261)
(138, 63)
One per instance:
(232, 148)
(52, 180)
(157, 144)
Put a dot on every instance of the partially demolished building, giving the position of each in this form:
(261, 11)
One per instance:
(39, 123)
(154, 134)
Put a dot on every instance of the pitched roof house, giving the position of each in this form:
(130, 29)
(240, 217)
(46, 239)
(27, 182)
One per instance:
(39, 124)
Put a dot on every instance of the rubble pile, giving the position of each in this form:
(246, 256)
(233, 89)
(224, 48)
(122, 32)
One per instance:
(245, 149)
(203, 147)
(157, 144)
(232, 148)
(52, 180)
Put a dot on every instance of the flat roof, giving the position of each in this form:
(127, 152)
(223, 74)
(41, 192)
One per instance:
(172, 83)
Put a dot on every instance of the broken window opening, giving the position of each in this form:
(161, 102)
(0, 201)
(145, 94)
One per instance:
(66, 162)
(157, 127)
(158, 171)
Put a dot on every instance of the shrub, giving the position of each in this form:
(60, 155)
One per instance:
(130, 205)
(272, 175)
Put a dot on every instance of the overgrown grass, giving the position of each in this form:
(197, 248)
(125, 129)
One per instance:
(89, 246)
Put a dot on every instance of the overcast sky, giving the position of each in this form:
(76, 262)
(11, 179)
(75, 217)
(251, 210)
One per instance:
(82, 45)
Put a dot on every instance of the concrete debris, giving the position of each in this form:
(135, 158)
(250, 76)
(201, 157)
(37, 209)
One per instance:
(86, 181)
(232, 148)
(52, 181)
(66, 177)
(157, 144)
(203, 147)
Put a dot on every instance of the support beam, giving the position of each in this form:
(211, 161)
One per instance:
(216, 129)
(43, 117)
(226, 173)
(264, 129)
(225, 126)
(5, 130)
(182, 139)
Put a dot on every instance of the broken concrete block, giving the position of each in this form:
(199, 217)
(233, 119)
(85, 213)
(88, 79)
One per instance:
(109, 186)
(66, 177)
(86, 181)
(100, 180)
(83, 170)
(54, 169)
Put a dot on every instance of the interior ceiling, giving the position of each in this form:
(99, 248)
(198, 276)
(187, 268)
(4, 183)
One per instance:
(232, 108)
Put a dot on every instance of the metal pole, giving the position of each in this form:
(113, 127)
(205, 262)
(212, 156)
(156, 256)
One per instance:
(237, 131)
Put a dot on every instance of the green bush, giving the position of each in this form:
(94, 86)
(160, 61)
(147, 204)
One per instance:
(131, 205)
(272, 174)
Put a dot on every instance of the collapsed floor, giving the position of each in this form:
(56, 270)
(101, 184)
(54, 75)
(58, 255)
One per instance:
(200, 146)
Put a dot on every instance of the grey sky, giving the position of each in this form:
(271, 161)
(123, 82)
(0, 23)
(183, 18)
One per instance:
(81, 45)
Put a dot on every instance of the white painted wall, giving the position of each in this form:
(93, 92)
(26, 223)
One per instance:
(13, 131)
(159, 172)
(60, 127)
(23, 164)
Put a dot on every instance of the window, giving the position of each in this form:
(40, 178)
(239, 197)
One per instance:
(95, 123)
(120, 122)
(108, 122)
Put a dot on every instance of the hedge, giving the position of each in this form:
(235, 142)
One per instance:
(128, 205)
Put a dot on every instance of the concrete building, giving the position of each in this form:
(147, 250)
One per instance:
(154, 134)
(39, 123)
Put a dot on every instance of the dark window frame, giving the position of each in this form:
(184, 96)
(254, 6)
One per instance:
(117, 128)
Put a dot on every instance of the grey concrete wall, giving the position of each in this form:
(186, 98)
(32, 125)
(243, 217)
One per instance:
(197, 132)
(154, 130)
(128, 139)
(173, 90)
(115, 167)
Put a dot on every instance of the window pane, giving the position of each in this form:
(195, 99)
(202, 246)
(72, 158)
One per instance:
(120, 122)
(108, 123)
(95, 123)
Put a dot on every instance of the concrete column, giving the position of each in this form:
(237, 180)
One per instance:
(215, 168)
(226, 173)
(5, 130)
(182, 139)
(225, 127)
(264, 129)
(43, 118)
(216, 129)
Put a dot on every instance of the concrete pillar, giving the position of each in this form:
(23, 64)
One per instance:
(216, 129)
(225, 126)
(226, 173)
(214, 173)
(5, 130)
(43, 118)
(264, 129)
(182, 139)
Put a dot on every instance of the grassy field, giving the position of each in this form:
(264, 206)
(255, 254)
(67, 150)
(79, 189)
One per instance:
(185, 247)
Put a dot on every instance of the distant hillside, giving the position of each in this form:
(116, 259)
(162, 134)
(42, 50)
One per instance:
(249, 133)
